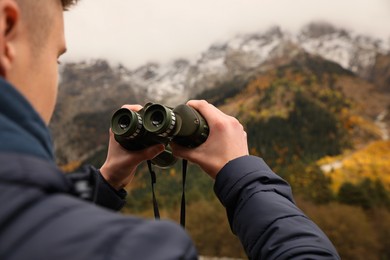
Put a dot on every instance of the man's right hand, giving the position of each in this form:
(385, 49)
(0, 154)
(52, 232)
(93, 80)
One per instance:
(227, 140)
(120, 165)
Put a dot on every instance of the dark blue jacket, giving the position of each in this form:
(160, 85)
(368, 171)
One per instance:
(42, 217)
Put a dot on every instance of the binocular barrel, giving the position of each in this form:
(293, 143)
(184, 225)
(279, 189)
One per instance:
(159, 124)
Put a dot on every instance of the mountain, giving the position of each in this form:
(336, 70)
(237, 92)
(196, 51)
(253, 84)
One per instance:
(315, 105)
(351, 72)
(246, 55)
(308, 109)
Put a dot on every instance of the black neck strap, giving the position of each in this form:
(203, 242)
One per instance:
(153, 179)
(183, 196)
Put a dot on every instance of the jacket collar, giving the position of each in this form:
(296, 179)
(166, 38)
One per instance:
(26, 155)
(22, 130)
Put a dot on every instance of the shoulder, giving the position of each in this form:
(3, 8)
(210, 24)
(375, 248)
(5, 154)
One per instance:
(75, 229)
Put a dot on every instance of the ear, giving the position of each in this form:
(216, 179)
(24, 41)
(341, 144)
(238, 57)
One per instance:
(9, 19)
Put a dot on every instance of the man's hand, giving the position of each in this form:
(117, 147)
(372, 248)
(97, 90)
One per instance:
(227, 140)
(120, 165)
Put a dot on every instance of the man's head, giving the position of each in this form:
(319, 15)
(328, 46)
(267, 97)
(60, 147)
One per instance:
(31, 41)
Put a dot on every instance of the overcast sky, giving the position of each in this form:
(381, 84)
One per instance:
(135, 32)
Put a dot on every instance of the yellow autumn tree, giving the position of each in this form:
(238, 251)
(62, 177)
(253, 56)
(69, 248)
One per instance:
(371, 162)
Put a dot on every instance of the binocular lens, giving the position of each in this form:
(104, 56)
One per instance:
(124, 122)
(157, 118)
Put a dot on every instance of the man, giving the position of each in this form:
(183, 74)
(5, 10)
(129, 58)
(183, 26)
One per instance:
(42, 216)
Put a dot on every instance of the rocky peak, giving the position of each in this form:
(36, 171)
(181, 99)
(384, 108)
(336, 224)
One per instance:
(322, 29)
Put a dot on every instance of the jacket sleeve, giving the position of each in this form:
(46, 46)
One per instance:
(262, 213)
(89, 184)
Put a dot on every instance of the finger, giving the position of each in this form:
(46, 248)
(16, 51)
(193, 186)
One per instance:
(152, 151)
(207, 110)
(181, 151)
(135, 108)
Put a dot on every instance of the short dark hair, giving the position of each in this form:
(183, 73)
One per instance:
(37, 15)
(68, 3)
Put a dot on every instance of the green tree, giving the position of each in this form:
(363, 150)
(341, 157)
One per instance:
(352, 195)
(367, 194)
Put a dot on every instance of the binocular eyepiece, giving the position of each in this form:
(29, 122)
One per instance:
(159, 124)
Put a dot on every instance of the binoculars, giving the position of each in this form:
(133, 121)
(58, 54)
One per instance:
(159, 124)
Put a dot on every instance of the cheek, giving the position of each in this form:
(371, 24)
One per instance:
(54, 82)
(51, 86)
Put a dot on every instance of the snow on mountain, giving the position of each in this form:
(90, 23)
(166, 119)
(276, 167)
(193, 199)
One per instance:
(160, 81)
(183, 79)
(352, 51)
